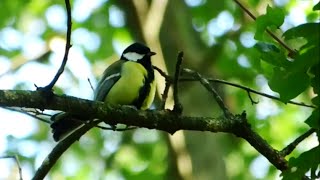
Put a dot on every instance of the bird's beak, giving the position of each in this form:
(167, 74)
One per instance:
(151, 53)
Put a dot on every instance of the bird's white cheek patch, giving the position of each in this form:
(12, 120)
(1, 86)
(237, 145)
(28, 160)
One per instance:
(133, 56)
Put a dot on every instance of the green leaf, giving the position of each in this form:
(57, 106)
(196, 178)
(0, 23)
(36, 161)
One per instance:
(316, 100)
(272, 55)
(309, 31)
(273, 18)
(301, 165)
(306, 58)
(314, 119)
(316, 7)
(288, 84)
(315, 81)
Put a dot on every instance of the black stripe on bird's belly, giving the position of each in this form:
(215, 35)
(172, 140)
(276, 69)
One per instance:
(145, 89)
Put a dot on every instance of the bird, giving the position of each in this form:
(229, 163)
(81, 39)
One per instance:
(128, 81)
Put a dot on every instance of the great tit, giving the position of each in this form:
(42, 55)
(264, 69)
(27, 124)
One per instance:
(128, 81)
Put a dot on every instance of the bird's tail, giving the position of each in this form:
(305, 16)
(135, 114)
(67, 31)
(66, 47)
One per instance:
(63, 124)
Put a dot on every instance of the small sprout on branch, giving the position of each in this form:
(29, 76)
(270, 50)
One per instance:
(177, 105)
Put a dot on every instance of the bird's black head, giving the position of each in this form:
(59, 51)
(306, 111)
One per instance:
(137, 52)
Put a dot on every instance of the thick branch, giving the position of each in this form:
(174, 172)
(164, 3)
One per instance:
(161, 120)
(244, 131)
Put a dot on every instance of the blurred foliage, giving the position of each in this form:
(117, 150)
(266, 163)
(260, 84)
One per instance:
(218, 39)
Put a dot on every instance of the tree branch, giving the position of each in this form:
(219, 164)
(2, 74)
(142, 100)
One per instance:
(208, 86)
(287, 150)
(169, 79)
(161, 120)
(177, 108)
(49, 87)
(31, 114)
(244, 131)
(248, 90)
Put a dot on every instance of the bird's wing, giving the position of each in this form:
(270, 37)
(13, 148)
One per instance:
(110, 76)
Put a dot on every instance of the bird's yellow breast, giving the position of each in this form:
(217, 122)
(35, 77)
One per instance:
(127, 88)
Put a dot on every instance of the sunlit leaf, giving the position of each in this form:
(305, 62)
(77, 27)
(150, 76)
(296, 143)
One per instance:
(309, 31)
(273, 18)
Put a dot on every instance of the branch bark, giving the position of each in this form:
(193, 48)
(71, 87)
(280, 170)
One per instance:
(161, 120)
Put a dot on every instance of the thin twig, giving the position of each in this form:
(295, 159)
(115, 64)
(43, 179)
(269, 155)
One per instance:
(60, 148)
(209, 87)
(118, 129)
(169, 81)
(177, 105)
(291, 52)
(251, 99)
(92, 88)
(28, 113)
(249, 90)
(49, 87)
(37, 112)
(163, 74)
(16, 159)
(165, 95)
(287, 150)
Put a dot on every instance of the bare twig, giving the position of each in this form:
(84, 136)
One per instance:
(117, 129)
(251, 99)
(177, 105)
(37, 112)
(249, 90)
(163, 74)
(92, 88)
(28, 113)
(287, 150)
(165, 95)
(169, 81)
(49, 87)
(16, 159)
(209, 87)
(291, 52)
